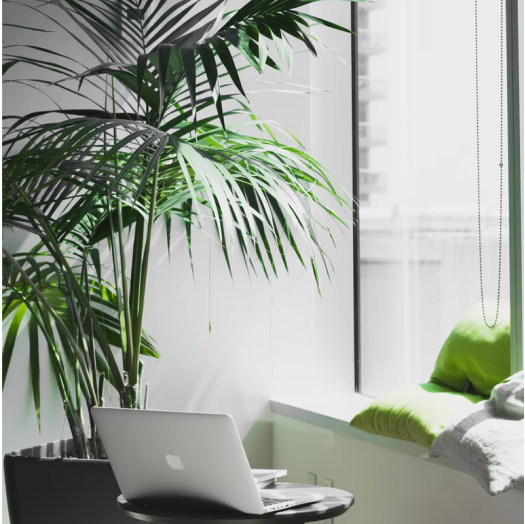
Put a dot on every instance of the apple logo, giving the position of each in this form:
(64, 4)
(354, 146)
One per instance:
(174, 461)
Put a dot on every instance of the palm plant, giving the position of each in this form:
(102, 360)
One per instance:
(155, 143)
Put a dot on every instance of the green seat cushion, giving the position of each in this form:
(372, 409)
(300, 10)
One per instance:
(475, 352)
(415, 413)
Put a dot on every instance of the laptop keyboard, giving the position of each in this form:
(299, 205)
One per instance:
(271, 501)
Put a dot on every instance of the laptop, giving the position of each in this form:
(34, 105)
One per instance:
(190, 459)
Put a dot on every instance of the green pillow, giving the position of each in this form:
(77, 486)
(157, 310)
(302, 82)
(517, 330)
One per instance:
(475, 352)
(416, 413)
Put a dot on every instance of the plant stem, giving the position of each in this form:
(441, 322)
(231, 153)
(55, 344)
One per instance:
(127, 314)
(94, 438)
(77, 431)
(89, 329)
(144, 276)
(128, 356)
(123, 334)
(138, 246)
(92, 361)
(78, 397)
(139, 383)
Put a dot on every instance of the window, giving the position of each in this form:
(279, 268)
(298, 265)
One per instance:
(417, 175)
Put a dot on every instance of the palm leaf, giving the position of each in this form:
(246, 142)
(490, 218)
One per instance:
(34, 363)
(10, 340)
(174, 153)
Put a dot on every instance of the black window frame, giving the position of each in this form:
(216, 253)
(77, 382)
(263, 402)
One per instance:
(356, 256)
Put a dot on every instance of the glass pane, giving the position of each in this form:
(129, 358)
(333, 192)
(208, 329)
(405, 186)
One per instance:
(418, 189)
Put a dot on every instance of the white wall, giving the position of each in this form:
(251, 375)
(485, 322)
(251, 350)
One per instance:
(313, 354)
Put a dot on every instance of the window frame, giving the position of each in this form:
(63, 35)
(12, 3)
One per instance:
(356, 254)
(515, 189)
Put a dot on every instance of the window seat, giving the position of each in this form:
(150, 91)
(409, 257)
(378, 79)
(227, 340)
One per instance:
(335, 413)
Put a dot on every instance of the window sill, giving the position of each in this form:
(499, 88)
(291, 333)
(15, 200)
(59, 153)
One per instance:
(334, 414)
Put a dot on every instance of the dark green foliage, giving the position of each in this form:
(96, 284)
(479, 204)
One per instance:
(157, 146)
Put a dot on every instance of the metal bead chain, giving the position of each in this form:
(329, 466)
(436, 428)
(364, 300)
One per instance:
(500, 169)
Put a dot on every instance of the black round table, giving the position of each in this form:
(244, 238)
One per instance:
(335, 503)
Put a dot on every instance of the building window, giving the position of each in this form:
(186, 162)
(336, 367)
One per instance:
(417, 175)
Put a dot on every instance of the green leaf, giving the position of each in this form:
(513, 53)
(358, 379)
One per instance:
(63, 180)
(227, 61)
(27, 27)
(176, 60)
(164, 57)
(210, 67)
(170, 21)
(308, 43)
(151, 165)
(285, 51)
(326, 23)
(6, 66)
(88, 113)
(167, 221)
(36, 267)
(240, 39)
(190, 23)
(186, 206)
(94, 253)
(34, 364)
(41, 64)
(188, 63)
(10, 340)
(7, 267)
(141, 67)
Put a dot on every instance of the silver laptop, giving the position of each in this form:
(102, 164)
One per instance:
(197, 459)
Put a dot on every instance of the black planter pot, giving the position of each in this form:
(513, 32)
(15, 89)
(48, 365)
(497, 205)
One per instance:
(42, 487)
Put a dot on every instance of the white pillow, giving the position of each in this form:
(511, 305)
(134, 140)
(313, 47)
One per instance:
(488, 443)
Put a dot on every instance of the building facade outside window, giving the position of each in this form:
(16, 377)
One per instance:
(418, 191)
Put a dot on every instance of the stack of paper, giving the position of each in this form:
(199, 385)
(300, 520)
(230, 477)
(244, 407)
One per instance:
(265, 477)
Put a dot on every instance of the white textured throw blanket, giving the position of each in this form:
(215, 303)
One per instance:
(488, 443)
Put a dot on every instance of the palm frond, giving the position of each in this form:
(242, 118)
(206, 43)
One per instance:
(161, 145)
